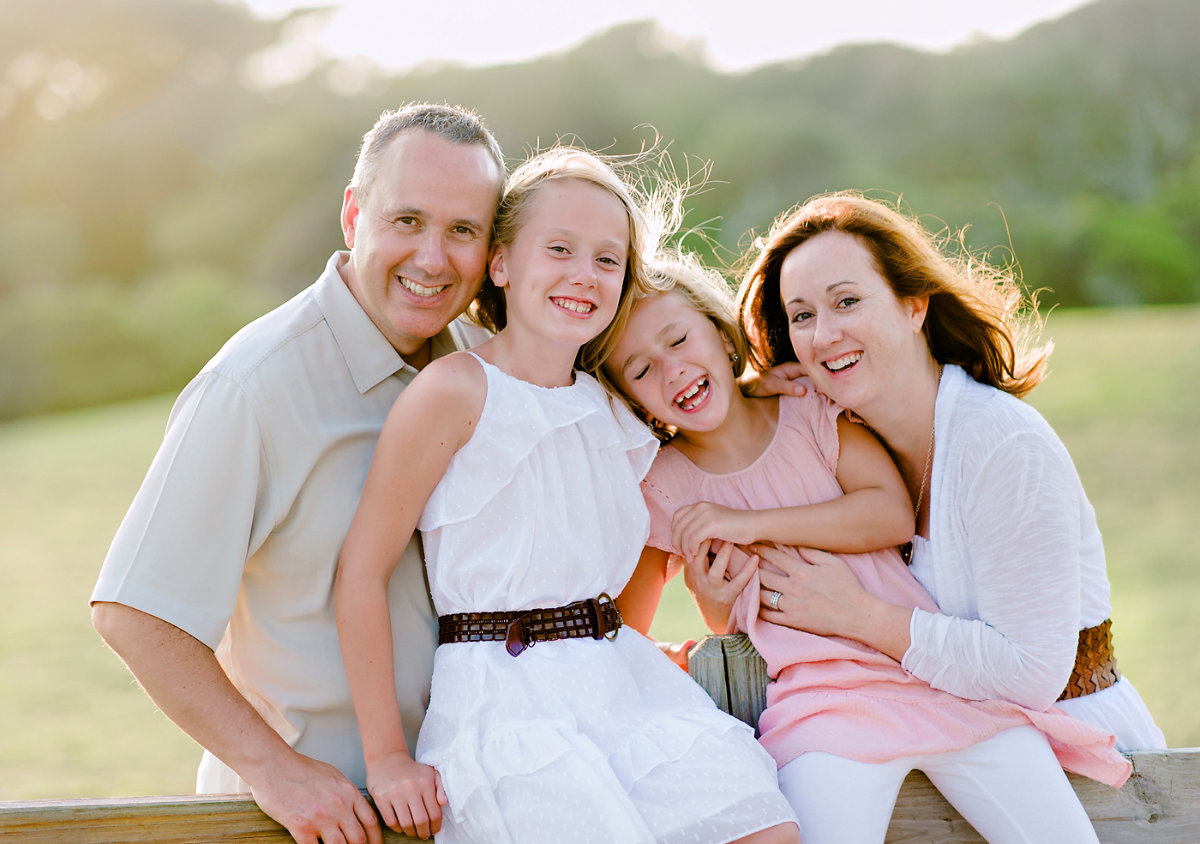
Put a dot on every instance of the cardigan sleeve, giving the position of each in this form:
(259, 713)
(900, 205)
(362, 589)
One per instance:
(1015, 540)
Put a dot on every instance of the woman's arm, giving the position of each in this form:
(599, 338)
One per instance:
(429, 422)
(1017, 562)
(873, 512)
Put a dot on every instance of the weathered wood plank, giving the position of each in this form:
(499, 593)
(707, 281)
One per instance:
(165, 820)
(706, 665)
(1159, 805)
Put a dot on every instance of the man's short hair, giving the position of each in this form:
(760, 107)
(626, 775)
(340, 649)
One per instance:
(454, 123)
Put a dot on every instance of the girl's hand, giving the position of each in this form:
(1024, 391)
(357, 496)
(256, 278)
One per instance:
(703, 521)
(677, 652)
(709, 583)
(408, 795)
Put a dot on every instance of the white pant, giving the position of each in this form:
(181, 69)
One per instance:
(1010, 787)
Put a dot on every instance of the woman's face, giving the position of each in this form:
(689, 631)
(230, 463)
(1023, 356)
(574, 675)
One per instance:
(673, 361)
(848, 329)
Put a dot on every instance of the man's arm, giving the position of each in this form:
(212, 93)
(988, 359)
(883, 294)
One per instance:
(181, 674)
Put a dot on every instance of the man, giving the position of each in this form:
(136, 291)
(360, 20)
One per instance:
(217, 591)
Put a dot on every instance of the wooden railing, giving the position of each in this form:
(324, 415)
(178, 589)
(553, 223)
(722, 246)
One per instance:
(1160, 803)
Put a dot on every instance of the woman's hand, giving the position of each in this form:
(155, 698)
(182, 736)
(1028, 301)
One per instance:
(695, 524)
(821, 595)
(711, 585)
(408, 795)
(779, 380)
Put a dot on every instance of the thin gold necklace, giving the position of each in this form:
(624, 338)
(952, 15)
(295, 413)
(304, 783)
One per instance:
(924, 476)
(906, 550)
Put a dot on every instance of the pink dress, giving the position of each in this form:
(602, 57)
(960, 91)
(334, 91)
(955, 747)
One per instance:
(837, 695)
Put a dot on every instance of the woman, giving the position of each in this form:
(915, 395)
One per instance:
(924, 347)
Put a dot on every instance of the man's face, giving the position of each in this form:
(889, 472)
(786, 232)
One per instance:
(419, 237)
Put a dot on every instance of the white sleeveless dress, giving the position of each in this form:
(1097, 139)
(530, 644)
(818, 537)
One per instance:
(575, 740)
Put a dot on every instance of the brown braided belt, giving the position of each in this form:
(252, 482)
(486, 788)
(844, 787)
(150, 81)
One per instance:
(1095, 664)
(595, 618)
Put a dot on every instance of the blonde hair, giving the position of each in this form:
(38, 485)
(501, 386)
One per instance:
(978, 317)
(653, 215)
(704, 290)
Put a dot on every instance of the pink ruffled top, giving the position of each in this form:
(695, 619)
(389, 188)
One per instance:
(833, 694)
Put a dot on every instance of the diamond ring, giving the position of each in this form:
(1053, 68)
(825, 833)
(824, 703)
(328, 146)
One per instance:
(773, 601)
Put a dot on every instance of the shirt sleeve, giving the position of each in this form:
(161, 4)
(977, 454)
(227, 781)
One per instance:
(1021, 550)
(662, 509)
(180, 552)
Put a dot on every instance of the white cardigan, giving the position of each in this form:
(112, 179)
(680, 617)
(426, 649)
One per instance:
(1015, 561)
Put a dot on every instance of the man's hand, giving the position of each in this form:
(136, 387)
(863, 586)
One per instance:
(409, 795)
(181, 674)
(314, 801)
(779, 380)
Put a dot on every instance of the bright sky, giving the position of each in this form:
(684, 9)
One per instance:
(737, 34)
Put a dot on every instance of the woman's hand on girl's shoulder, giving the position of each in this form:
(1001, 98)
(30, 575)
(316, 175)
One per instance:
(779, 380)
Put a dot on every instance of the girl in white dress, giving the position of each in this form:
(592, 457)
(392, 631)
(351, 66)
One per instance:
(548, 720)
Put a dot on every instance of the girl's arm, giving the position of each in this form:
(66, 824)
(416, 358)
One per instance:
(639, 599)
(874, 512)
(705, 578)
(430, 421)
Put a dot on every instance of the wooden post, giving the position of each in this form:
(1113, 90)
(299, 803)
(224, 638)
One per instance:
(733, 673)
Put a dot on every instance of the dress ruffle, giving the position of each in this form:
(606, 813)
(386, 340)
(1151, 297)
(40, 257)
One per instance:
(512, 425)
(596, 719)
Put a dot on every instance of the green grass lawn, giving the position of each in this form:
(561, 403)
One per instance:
(1124, 393)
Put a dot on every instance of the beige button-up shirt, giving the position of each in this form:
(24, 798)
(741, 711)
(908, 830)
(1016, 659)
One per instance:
(235, 533)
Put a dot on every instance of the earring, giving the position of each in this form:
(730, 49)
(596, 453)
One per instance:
(735, 359)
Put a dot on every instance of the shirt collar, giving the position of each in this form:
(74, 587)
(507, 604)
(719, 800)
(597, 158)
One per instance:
(369, 356)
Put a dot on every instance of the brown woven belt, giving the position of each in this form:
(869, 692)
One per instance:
(1095, 664)
(595, 618)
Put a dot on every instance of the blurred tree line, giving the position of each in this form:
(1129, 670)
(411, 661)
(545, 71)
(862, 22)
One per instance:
(164, 178)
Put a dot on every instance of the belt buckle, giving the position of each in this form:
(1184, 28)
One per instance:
(516, 638)
(597, 603)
